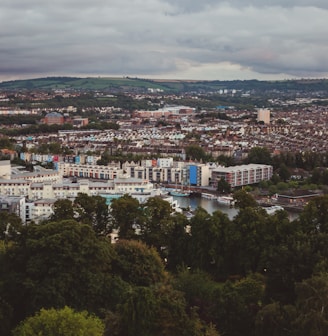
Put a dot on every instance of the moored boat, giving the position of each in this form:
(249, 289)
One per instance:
(227, 200)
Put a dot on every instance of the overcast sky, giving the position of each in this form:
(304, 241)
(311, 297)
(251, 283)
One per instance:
(182, 39)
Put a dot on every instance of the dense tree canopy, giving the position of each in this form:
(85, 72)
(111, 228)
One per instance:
(61, 322)
(55, 264)
(253, 275)
(259, 155)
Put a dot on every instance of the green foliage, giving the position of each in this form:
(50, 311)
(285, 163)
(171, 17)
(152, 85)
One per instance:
(155, 230)
(226, 160)
(243, 199)
(314, 217)
(126, 216)
(249, 239)
(312, 301)
(213, 286)
(94, 211)
(60, 322)
(275, 319)
(199, 290)
(284, 172)
(63, 210)
(10, 226)
(6, 312)
(55, 264)
(6, 143)
(138, 312)
(305, 160)
(259, 155)
(195, 152)
(49, 148)
(208, 241)
(138, 264)
(91, 210)
(223, 187)
(178, 242)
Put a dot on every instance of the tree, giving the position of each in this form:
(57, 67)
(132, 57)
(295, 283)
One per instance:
(199, 290)
(284, 172)
(248, 240)
(126, 216)
(56, 264)
(223, 187)
(314, 218)
(159, 310)
(178, 242)
(157, 225)
(10, 226)
(60, 322)
(195, 152)
(312, 304)
(138, 311)
(244, 199)
(245, 296)
(259, 155)
(63, 210)
(6, 312)
(137, 263)
(208, 241)
(275, 319)
(94, 211)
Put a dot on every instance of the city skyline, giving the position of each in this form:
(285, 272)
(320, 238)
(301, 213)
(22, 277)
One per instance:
(211, 40)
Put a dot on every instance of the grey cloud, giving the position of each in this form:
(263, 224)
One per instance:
(125, 37)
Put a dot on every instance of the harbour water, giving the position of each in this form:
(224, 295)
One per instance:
(212, 205)
(209, 205)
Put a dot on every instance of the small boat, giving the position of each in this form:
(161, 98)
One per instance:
(179, 193)
(227, 200)
(208, 196)
(273, 209)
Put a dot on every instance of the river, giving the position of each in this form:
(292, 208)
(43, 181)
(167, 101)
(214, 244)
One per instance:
(209, 205)
(212, 205)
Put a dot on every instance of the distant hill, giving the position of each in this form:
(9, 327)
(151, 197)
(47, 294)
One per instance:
(139, 84)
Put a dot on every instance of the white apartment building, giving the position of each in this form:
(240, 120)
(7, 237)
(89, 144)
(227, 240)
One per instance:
(242, 175)
(263, 115)
(39, 210)
(165, 162)
(89, 171)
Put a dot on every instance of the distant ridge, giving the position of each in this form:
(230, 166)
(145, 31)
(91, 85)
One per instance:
(141, 84)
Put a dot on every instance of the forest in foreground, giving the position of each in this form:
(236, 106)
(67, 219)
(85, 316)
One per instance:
(165, 275)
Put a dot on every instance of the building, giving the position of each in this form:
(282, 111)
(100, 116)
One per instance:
(263, 115)
(5, 169)
(198, 175)
(14, 205)
(39, 210)
(54, 118)
(80, 122)
(238, 176)
(89, 171)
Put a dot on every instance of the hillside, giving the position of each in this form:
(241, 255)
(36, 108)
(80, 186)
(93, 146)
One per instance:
(138, 84)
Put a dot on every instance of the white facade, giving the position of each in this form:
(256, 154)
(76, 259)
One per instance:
(5, 169)
(165, 162)
(242, 175)
(263, 115)
(89, 171)
(39, 210)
